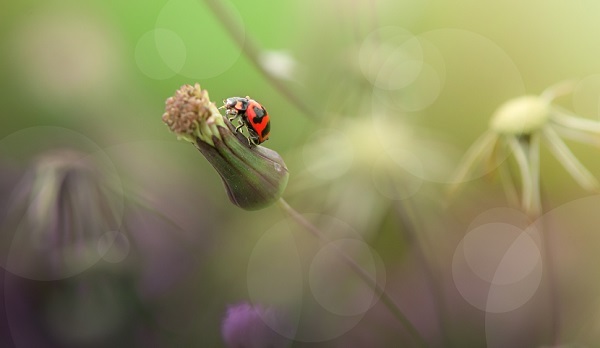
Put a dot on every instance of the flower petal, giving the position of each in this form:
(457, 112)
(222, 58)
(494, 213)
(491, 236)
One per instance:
(569, 161)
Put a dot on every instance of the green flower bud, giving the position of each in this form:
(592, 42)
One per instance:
(254, 177)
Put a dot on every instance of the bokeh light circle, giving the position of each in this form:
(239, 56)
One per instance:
(447, 76)
(160, 53)
(328, 154)
(497, 267)
(336, 287)
(571, 233)
(586, 97)
(390, 57)
(418, 95)
(113, 246)
(500, 253)
(287, 255)
(203, 36)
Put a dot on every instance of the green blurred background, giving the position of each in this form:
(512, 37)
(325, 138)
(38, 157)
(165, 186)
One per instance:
(414, 81)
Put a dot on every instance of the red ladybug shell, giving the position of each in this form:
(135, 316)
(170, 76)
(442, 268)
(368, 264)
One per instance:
(254, 116)
(258, 120)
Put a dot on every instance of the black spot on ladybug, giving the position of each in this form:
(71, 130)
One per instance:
(259, 114)
(266, 130)
(243, 104)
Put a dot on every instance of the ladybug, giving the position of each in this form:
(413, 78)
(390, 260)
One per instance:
(252, 115)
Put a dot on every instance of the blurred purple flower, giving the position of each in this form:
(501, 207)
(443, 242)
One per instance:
(245, 326)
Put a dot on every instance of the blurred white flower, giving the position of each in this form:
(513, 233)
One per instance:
(280, 64)
(363, 165)
(518, 127)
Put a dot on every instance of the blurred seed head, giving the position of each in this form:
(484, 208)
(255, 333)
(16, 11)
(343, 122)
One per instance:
(63, 216)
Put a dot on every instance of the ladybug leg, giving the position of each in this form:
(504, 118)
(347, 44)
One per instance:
(253, 141)
(236, 115)
(240, 125)
(253, 138)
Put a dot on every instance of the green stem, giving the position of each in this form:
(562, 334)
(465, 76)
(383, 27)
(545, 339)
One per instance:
(251, 50)
(363, 275)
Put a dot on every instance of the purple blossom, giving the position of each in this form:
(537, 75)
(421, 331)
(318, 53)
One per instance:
(248, 326)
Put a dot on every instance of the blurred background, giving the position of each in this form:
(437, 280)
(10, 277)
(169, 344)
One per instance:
(114, 233)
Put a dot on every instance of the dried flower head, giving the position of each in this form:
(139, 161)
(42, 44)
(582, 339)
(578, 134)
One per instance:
(190, 114)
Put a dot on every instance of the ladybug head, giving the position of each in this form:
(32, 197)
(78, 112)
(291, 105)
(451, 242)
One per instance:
(230, 102)
(236, 104)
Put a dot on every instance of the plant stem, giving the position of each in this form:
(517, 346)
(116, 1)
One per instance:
(408, 219)
(551, 281)
(251, 50)
(363, 275)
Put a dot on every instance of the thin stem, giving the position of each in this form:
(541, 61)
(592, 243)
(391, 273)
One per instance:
(551, 281)
(479, 149)
(356, 268)
(510, 189)
(408, 218)
(534, 168)
(251, 50)
(145, 205)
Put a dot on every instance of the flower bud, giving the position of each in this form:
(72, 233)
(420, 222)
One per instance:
(254, 177)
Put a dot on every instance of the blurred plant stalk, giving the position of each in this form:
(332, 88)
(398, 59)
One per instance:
(385, 298)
